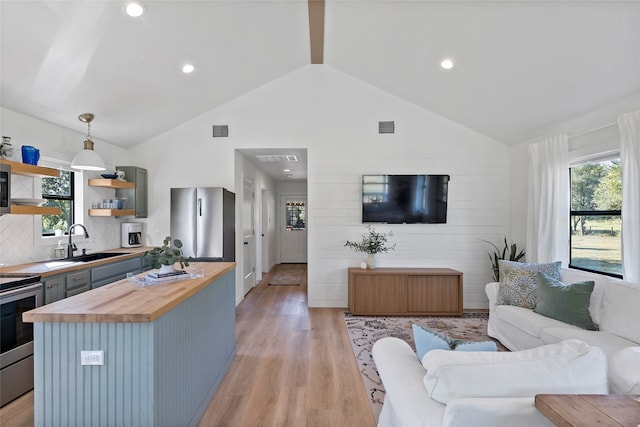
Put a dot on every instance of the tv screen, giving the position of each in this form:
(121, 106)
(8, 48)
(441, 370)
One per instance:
(410, 199)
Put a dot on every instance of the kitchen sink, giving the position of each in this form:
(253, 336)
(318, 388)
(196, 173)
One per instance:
(93, 257)
(42, 266)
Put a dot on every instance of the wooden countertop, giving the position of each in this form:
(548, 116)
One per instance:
(44, 271)
(126, 302)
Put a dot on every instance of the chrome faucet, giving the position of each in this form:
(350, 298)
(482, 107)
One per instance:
(72, 246)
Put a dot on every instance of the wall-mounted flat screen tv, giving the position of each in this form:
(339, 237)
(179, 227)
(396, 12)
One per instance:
(400, 199)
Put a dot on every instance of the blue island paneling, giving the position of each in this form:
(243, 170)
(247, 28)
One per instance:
(160, 373)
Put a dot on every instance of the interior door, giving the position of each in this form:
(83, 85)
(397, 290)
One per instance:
(293, 229)
(248, 236)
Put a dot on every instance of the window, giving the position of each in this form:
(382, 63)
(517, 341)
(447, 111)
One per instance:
(596, 223)
(294, 211)
(58, 192)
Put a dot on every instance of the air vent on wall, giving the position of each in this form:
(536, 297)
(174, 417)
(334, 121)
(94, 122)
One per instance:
(277, 158)
(387, 127)
(220, 131)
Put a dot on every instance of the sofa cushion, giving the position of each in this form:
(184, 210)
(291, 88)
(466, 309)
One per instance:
(571, 275)
(624, 371)
(497, 411)
(609, 343)
(553, 369)
(567, 303)
(528, 321)
(427, 340)
(620, 313)
(518, 282)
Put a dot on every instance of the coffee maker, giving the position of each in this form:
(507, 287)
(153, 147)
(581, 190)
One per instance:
(131, 235)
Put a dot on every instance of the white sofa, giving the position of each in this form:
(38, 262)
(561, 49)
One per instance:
(449, 388)
(614, 308)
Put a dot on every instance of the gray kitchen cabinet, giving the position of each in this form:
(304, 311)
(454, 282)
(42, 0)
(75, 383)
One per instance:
(77, 282)
(135, 198)
(54, 289)
(112, 272)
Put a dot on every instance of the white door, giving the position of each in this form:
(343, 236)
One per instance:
(248, 236)
(293, 229)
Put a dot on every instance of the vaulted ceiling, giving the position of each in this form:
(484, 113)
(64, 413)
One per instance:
(520, 66)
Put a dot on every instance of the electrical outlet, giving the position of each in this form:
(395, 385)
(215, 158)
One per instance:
(157, 232)
(95, 357)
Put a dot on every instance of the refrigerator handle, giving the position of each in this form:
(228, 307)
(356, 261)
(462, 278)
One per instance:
(199, 207)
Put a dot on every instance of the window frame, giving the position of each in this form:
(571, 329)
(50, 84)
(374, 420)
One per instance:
(603, 213)
(71, 198)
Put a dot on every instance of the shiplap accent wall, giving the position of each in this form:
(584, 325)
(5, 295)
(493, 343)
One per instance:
(477, 211)
(336, 118)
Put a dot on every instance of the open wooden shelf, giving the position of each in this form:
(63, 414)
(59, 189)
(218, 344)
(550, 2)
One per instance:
(34, 210)
(111, 212)
(111, 183)
(30, 170)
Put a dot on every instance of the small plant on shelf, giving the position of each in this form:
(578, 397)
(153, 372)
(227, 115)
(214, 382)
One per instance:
(166, 254)
(372, 242)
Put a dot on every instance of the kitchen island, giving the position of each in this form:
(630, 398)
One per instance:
(166, 349)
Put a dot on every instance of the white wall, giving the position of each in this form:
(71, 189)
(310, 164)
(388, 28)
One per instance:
(19, 243)
(335, 117)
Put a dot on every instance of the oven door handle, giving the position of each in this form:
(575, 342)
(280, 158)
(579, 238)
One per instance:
(20, 290)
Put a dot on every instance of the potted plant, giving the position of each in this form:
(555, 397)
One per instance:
(372, 243)
(510, 250)
(59, 228)
(165, 256)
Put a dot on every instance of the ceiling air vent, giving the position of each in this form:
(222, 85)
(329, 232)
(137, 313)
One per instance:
(386, 127)
(220, 131)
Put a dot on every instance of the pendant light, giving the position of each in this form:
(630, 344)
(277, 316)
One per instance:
(87, 159)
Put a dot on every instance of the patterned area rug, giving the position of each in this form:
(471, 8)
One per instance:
(364, 331)
(288, 277)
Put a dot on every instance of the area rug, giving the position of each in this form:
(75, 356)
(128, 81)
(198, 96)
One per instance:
(287, 277)
(364, 331)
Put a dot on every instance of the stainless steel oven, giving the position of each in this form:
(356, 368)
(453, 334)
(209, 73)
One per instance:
(5, 188)
(18, 294)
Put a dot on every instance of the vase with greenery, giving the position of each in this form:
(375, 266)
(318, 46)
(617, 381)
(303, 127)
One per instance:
(508, 252)
(372, 243)
(166, 255)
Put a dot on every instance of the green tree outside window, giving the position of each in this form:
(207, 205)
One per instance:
(58, 192)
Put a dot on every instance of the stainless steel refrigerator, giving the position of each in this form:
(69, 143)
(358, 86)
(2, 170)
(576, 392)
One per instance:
(203, 219)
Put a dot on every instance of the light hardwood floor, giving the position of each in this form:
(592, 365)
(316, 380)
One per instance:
(294, 367)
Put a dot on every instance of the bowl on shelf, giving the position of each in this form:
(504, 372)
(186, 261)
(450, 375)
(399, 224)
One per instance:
(109, 175)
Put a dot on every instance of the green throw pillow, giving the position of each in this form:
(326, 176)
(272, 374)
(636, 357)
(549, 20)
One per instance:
(567, 303)
(427, 340)
(518, 282)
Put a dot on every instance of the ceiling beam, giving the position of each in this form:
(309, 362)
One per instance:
(316, 30)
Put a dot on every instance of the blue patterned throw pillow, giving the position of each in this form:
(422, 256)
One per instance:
(518, 282)
(427, 340)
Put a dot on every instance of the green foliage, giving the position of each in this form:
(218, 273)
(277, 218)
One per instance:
(60, 187)
(372, 242)
(166, 254)
(608, 194)
(510, 250)
(595, 187)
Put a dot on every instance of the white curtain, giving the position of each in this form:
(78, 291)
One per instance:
(548, 207)
(629, 125)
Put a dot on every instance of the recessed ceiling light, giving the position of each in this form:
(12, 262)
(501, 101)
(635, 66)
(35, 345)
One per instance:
(286, 170)
(134, 9)
(447, 64)
(188, 69)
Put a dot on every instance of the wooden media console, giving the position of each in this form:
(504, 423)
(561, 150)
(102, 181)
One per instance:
(405, 291)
